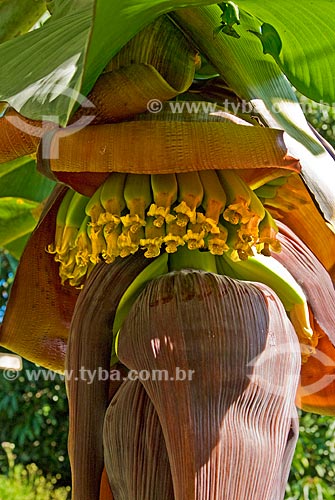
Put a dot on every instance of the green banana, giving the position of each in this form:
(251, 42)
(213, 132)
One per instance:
(165, 191)
(132, 211)
(266, 191)
(214, 200)
(60, 222)
(279, 181)
(137, 194)
(112, 199)
(195, 236)
(129, 239)
(190, 195)
(66, 255)
(269, 271)
(113, 202)
(217, 243)
(267, 235)
(240, 248)
(238, 196)
(83, 244)
(98, 243)
(156, 268)
(174, 237)
(74, 217)
(83, 250)
(242, 202)
(154, 237)
(94, 207)
(111, 233)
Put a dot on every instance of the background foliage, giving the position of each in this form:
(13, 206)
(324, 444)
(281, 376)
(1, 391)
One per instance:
(33, 415)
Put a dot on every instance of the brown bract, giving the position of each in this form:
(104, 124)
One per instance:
(88, 355)
(39, 310)
(311, 275)
(161, 146)
(316, 391)
(135, 451)
(236, 405)
(294, 206)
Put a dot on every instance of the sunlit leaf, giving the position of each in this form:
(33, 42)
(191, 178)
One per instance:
(16, 224)
(306, 30)
(13, 180)
(19, 16)
(17, 218)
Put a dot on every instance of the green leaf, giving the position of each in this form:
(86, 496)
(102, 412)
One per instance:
(18, 217)
(230, 16)
(257, 78)
(270, 39)
(16, 247)
(19, 178)
(47, 68)
(44, 67)
(307, 32)
(19, 16)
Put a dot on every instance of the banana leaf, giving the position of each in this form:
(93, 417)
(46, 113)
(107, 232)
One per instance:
(21, 202)
(17, 218)
(300, 38)
(256, 77)
(41, 80)
(19, 16)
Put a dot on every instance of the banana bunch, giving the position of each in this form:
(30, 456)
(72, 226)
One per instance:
(203, 223)
(206, 210)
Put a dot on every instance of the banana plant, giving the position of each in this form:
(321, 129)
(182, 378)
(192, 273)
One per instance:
(181, 270)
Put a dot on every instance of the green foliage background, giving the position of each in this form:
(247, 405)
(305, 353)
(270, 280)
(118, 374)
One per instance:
(34, 415)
